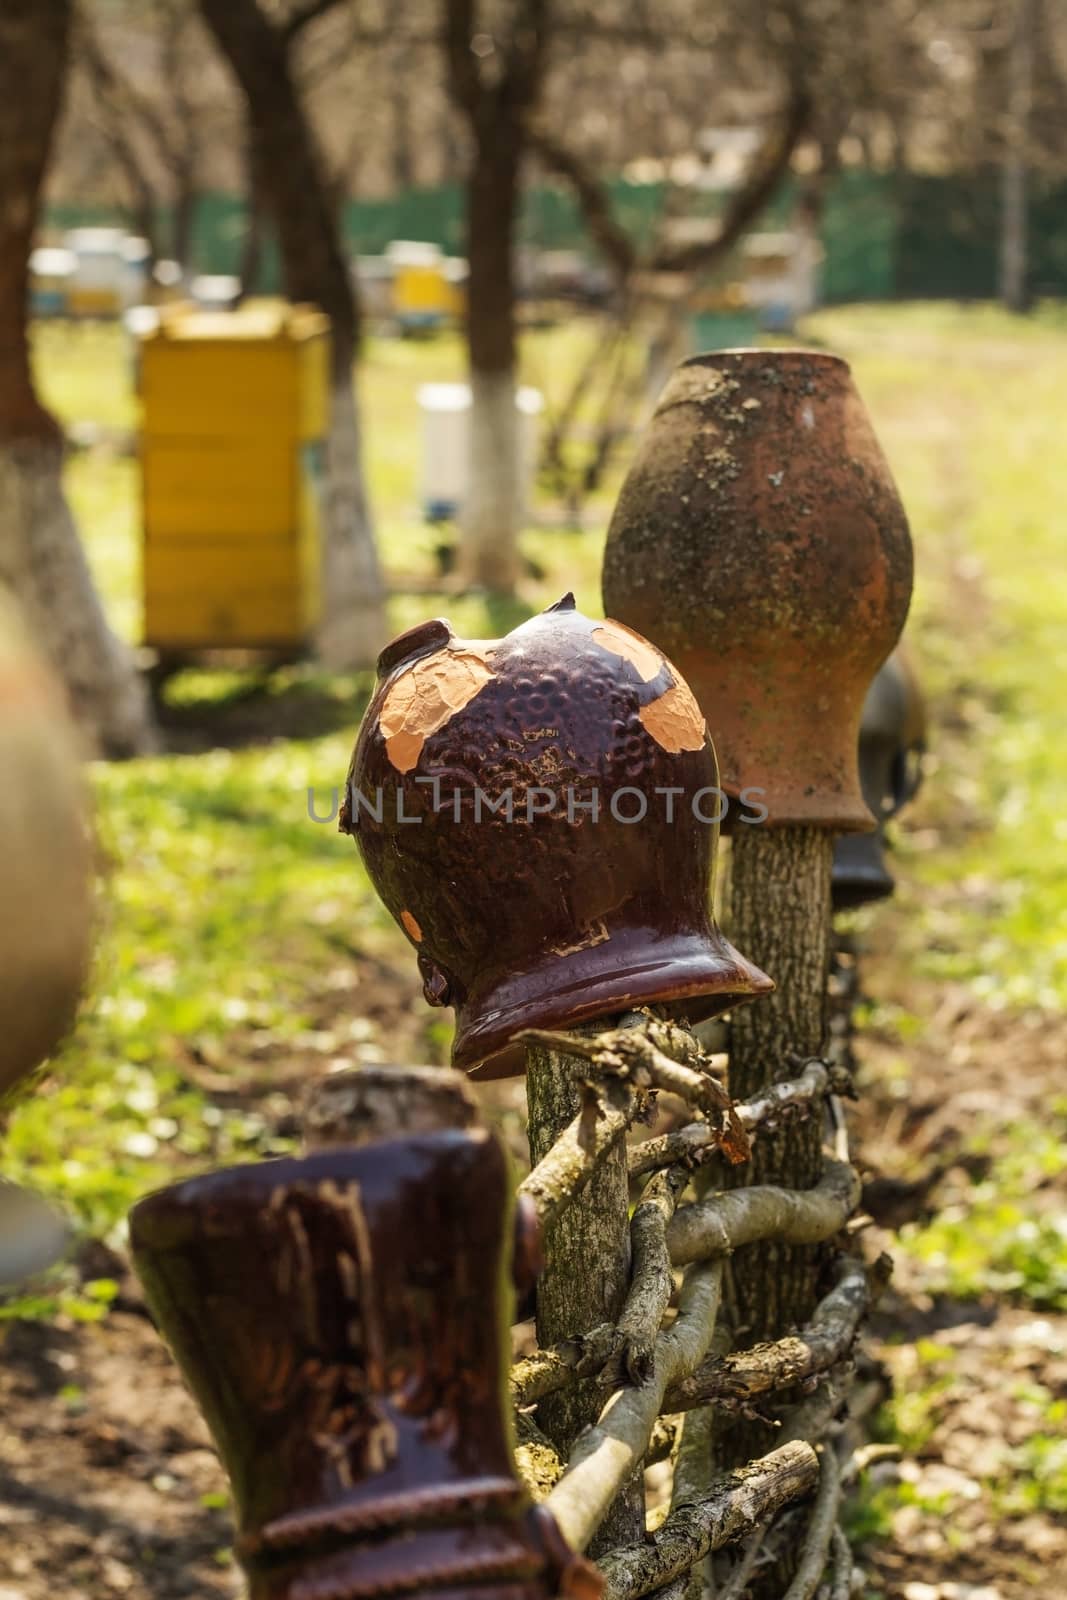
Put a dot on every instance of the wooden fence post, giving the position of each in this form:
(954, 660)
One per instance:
(587, 1265)
(759, 540)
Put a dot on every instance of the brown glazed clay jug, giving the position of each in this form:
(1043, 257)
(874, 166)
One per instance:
(343, 1319)
(892, 741)
(760, 541)
(538, 813)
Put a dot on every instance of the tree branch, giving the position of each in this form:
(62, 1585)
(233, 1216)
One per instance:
(304, 15)
(828, 1337)
(769, 169)
(594, 200)
(820, 1531)
(651, 1281)
(718, 1226)
(561, 1174)
(637, 1056)
(736, 1504)
(547, 1371)
(615, 243)
(697, 1139)
(605, 1458)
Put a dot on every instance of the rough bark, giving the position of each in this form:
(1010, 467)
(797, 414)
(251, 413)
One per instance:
(1014, 176)
(587, 1271)
(41, 557)
(697, 1140)
(489, 552)
(825, 1340)
(496, 106)
(608, 1455)
(735, 1505)
(296, 189)
(780, 916)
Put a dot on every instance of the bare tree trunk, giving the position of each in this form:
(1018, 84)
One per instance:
(296, 188)
(185, 198)
(41, 557)
(780, 917)
(489, 547)
(587, 1271)
(1015, 171)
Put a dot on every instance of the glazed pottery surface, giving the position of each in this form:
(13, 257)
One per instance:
(343, 1320)
(538, 814)
(760, 541)
(892, 740)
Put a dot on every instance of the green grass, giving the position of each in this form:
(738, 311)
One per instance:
(228, 917)
(967, 403)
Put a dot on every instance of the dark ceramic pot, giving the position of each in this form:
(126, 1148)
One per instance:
(892, 741)
(760, 541)
(343, 1321)
(470, 797)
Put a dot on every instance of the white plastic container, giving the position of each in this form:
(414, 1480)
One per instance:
(445, 411)
(96, 285)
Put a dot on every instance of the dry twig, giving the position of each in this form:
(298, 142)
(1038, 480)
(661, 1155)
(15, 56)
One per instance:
(734, 1506)
(697, 1139)
(547, 1371)
(632, 1055)
(562, 1173)
(828, 1337)
(820, 1532)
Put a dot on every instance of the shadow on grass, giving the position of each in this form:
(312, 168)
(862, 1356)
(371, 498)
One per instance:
(236, 709)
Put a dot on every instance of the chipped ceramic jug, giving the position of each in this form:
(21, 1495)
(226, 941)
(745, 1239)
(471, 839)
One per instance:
(892, 741)
(343, 1321)
(759, 539)
(538, 813)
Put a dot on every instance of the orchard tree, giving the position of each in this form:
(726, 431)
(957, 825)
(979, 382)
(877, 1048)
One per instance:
(294, 185)
(495, 80)
(41, 557)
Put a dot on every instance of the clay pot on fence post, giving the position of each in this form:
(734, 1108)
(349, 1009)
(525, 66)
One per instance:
(539, 813)
(759, 540)
(343, 1321)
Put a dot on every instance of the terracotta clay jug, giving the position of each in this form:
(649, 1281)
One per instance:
(760, 541)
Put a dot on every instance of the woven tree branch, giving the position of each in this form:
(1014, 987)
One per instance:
(735, 1505)
(537, 1460)
(559, 1177)
(547, 1371)
(630, 1054)
(735, 1581)
(697, 1139)
(841, 1566)
(828, 1337)
(820, 1532)
(818, 1347)
(606, 1457)
(652, 1281)
(719, 1225)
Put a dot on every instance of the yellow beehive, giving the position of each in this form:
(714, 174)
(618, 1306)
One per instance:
(234, 425)
(422, 295)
